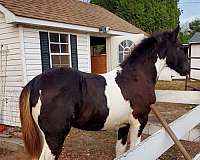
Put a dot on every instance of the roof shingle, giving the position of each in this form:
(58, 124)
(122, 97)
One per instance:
(195, 38)
(70, 12)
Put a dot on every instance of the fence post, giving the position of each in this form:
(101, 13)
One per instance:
(170, 132)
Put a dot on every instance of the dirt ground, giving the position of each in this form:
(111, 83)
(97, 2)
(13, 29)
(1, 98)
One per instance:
(177, 85)
(81, 145)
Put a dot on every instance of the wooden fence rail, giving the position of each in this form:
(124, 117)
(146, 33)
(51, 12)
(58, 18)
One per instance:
(154, 146)
(197, 157)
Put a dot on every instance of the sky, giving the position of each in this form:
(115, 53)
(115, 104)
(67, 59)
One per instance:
(190, 10)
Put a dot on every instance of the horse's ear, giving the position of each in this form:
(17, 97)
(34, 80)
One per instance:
(175, 33)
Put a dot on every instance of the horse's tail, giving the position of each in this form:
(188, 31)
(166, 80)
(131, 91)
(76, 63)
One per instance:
(29, 128)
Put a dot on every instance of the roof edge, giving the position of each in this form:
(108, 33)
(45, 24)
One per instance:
(39, 22)
(9, 16)
(194, 42)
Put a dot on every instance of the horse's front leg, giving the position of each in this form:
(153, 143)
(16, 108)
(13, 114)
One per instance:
(135, 138)
(136, 128)
(122, 135)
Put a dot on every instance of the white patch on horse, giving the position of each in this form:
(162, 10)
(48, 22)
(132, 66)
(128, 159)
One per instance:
(133, 131)
(160, 65)
(119, 108)
(120, 148)
(46, 152)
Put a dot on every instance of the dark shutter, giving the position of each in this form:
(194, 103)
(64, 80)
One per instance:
(44, 46)
(74, 56)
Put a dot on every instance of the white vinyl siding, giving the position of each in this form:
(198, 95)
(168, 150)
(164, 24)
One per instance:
(195, 50)
(83, 48)
(11, 78)
(32, 52)
(195, 63)
(24, 63)
(114, 46)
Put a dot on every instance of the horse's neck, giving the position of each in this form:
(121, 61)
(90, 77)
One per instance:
(160, 65)
(142, 68)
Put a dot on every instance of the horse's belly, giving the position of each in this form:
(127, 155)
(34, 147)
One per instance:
(118, 117)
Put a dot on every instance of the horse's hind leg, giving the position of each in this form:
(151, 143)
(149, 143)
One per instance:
(121, 144)
(55, 123)
(46, 152)
(54, 137)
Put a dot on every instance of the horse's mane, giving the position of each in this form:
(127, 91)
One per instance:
(146, 47)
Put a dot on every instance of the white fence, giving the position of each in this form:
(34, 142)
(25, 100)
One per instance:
(154, 146)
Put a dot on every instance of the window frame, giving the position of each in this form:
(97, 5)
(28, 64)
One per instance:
(125, 52)
(59, 43)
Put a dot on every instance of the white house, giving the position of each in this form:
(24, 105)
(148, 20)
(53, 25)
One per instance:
(36, 35)
(194, 44)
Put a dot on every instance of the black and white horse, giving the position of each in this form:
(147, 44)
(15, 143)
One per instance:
(62, 98)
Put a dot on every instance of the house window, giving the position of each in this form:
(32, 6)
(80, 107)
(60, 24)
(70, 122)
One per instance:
(59, 50)
(125, 48)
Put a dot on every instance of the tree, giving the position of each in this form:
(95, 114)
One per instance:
(186, 34)
(149, 15)
(110, 5)
(184, 37)
(195, 26)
